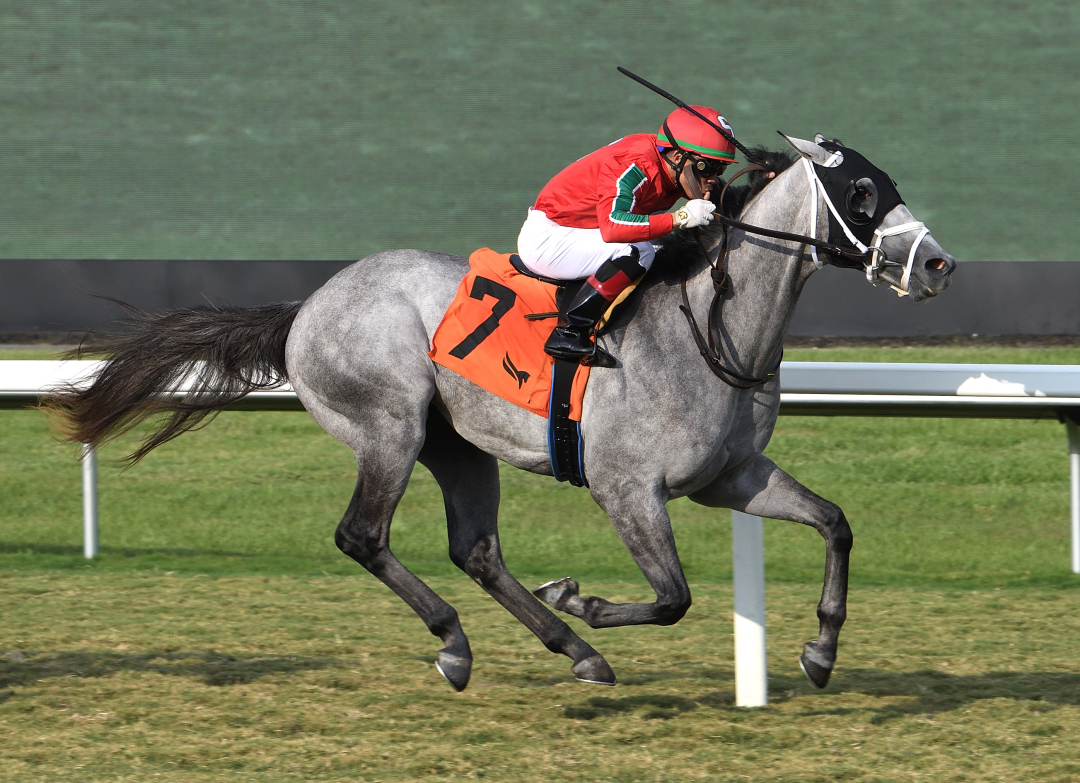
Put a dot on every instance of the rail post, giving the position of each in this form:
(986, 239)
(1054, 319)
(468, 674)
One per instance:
(1074, 487)
(748, 565)
(90, 504)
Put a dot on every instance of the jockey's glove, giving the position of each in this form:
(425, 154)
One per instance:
(698, 212)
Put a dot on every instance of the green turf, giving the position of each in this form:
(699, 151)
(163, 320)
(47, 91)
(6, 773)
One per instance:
(938, 355)
(933, 502)
(332, 129)
(206, 644)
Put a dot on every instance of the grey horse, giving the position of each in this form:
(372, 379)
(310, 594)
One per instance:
(356, 354)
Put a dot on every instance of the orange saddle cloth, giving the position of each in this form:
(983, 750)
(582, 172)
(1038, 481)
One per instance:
(485, 337)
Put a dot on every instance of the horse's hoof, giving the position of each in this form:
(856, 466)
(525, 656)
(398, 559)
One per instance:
(816, 668)
(454, 669)
(555, 594)
(594, 669)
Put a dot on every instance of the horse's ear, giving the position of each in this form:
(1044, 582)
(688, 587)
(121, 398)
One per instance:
(818, 138)
(814, 152)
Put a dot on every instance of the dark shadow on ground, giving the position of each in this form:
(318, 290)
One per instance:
(212, 668)
(924, 692)
(932, 692)
(699, 672)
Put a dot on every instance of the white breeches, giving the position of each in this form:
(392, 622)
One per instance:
(567, 253)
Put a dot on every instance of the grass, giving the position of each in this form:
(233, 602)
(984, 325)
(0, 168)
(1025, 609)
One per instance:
(258, 678)
(221, 635)
(262, 493)
(268, 128)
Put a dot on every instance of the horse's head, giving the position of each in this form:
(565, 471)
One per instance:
(872, 223)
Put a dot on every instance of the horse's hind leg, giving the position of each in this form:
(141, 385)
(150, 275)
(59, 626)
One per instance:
(763, 489)
(387, 443)
(469, 479)
(363, 534)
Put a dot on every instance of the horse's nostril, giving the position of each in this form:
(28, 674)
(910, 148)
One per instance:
(937, 264)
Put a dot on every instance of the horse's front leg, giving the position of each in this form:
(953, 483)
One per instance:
(763, 489)
(639, 517)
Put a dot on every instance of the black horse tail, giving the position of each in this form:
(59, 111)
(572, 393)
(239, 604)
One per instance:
(221, 353)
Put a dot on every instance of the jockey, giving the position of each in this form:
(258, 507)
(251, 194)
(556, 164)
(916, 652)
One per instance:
(597, 218)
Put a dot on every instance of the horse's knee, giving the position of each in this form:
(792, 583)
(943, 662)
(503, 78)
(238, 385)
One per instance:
(482, 562)
(835, 529)
(365, 550)
(844, 539)
(671, 609)
(459, 556)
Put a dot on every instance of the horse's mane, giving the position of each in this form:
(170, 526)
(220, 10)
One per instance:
(774, 161)
(681, 248)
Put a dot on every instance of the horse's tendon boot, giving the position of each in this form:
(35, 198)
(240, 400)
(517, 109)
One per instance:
(815, 666)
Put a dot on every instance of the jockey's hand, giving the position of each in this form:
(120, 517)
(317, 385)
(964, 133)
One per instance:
(698, 212)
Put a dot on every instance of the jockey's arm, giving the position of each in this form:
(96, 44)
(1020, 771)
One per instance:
(618, 188)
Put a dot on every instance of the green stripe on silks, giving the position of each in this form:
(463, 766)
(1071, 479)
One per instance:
(630, 181)
(721, 154)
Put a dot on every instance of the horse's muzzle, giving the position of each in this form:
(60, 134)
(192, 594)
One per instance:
(932, 277)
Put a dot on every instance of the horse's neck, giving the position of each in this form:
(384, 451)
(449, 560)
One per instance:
(766, 276)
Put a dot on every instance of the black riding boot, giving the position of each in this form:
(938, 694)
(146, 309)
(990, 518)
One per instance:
(572, 338)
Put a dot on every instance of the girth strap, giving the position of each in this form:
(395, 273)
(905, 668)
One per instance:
(565, 445)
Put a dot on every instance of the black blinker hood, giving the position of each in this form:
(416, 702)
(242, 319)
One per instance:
(839, 179)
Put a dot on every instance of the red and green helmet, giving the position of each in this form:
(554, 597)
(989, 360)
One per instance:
(693, 135)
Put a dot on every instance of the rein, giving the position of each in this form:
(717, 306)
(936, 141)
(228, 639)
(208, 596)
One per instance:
(872, 257)
(710, 350)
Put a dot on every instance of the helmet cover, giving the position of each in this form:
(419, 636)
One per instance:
(693, 135)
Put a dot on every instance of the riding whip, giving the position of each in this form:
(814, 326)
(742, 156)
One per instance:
(749, 155)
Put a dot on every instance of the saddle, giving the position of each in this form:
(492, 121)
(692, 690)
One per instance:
(493, 334)
(567, 289)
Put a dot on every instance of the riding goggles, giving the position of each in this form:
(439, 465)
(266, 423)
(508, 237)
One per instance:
(706, 169)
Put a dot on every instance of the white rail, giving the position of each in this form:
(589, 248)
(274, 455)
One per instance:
(810, 388)
(748, 577)
(90, 504)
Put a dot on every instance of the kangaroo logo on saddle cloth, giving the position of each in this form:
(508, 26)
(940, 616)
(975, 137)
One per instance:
(485, 326)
